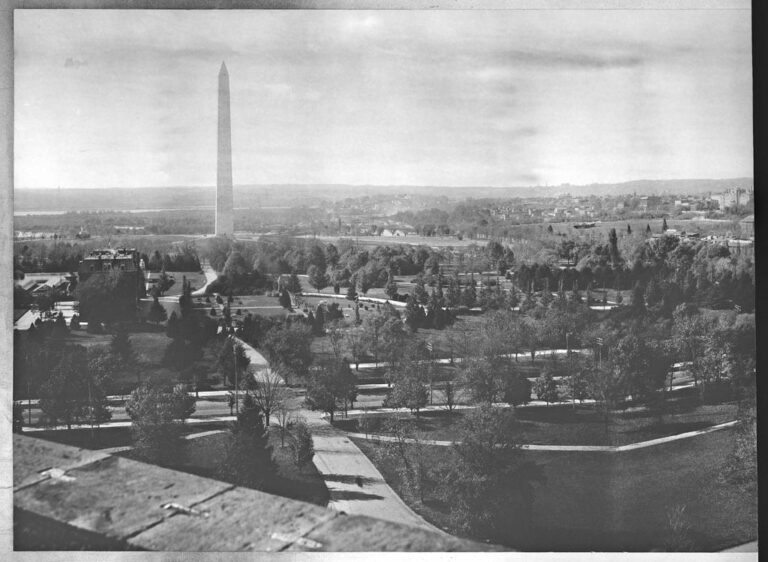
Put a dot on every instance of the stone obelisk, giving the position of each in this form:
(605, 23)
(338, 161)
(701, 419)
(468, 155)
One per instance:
(224, 213)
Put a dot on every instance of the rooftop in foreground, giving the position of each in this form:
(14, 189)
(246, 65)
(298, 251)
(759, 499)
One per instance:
(67, 498)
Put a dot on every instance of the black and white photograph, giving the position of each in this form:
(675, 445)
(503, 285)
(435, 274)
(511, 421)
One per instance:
(382, 280)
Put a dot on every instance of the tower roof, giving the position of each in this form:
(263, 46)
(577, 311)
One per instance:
(223, 69)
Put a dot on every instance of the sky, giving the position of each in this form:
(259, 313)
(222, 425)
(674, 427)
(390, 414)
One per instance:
(112, 98)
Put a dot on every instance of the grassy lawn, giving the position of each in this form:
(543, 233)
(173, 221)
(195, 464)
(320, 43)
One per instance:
(619, 501)
(562, 425)
(196, 278)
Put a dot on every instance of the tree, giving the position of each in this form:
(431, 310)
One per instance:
(74, 322)
(283, 417)
(373, 326)
(420, 294)
(303, 451)
(108, 297)
(172, 328)
(356, 344)
(578, 384)
(329, 385)
(317, 277)
(606, 386)
(121, 346)
(73, 392)
(480, 380)
(391, 287)
(545, 387)
(451, 390)
(268, 391)
(157, 312)
(285, 299)
(60, 326)
(393, 339)
(516, 389)
(294, 285)
(469, 295)
(287, 348)
(157, 413)
(351, 292)
(487, 483)
(664, 225)
(248, 458)
(407, 392)
(414, 314)
(233, 361)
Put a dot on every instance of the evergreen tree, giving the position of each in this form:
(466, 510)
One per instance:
(317, 277)
(469, 296)
(638, 297)
(121, 346)
(248, 460)
(303, 450)
(157, 312)
(664, 225)
(172, 329)
(157, 413)
(453, 293)
(420, 291)
(294, 284)
(413, 313)
(351, 292)
(60, 326)
(285, 299)
(545, 388)
(391, 287)
(629, 229)
(648, 229)
(232, 355)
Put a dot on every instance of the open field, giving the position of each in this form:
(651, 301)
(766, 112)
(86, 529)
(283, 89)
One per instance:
(610, 502)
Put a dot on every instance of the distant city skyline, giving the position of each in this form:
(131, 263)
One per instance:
(118, 98)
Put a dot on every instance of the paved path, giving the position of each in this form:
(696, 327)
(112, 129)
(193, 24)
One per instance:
(354, 483)
(210, 276)
(565, 448)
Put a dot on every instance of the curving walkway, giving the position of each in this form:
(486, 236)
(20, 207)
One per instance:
(565, 448)
(355, 485)
(210, 276)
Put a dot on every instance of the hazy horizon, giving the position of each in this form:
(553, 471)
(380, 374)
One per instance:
(115, 98)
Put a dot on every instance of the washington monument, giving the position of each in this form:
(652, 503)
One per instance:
(224, 214)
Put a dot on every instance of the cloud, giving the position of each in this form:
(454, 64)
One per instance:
(570, 60)
(74, 63)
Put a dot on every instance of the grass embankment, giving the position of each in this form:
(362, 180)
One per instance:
(619, 501)
(564, 425)
(305, 484)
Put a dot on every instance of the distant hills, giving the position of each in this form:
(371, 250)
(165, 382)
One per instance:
(148, 198)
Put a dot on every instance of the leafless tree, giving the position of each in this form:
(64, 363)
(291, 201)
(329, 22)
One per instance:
(283, 415)
(268, 390)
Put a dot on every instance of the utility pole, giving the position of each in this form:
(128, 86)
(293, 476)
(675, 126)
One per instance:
(234, 355)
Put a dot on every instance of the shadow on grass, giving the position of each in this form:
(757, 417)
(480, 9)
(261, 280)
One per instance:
(349, 479)
(352, 495)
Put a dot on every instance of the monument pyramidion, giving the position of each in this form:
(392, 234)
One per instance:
(224, 200)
